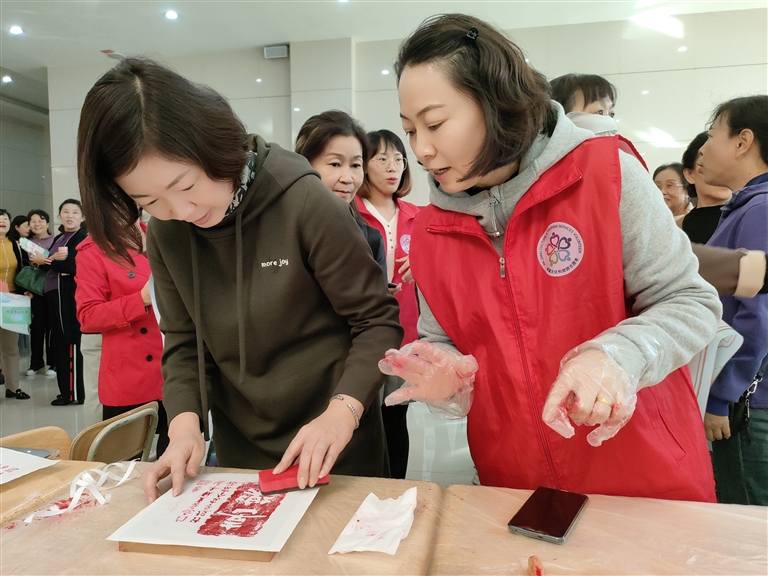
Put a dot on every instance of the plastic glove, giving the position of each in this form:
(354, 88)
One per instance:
(590, 389)
(443, 379)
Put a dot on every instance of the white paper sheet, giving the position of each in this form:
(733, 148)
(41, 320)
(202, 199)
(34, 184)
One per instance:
(15, 464)
(378, 525)
(219, 511)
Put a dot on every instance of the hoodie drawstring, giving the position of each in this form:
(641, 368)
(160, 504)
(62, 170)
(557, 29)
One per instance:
(240, 303)
(199, 335)
(494, 202)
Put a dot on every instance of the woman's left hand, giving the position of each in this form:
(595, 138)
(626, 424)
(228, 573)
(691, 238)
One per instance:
(590, 389)
(716, 427)
(319, 443)
(405, 269)
(36, 258)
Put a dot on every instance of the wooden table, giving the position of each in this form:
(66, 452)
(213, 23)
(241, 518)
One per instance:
(26, 494)
(614, 535)
(76, 543)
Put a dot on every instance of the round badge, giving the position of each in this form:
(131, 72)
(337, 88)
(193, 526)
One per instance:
(405, 243)
(131, 274)
(560, 249)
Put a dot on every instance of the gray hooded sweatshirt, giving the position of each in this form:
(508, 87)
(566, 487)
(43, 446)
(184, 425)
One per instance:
(676, 311)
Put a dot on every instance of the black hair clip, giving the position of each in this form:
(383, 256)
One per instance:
(472, 34)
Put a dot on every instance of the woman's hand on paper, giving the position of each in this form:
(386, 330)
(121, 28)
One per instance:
(319, 443)
(182, 457)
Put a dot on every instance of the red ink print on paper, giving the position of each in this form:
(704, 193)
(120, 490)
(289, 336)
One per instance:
(5, 469)
(243, 513)
(10, 526)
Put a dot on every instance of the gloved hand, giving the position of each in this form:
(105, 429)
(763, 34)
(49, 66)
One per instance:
(443, 379)
(590, 389)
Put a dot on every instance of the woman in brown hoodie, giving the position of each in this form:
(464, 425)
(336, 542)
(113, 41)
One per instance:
(273, 309)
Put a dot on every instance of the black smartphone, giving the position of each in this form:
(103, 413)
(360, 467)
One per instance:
(391, 285)
(548, 514)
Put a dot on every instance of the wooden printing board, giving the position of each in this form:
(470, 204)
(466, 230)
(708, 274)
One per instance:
(76, 543)
(217, 516)
(197, 552)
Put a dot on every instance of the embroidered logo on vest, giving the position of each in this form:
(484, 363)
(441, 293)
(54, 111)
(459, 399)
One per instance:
(561, 249)
(405, 243)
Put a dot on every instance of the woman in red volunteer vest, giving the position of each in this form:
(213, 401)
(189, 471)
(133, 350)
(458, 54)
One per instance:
(380, 202)
(555, 289)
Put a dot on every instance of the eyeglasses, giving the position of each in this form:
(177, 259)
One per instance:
(383, 162)
(668, 186)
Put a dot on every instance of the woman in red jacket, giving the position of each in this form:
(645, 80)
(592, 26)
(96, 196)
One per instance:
(380, 201)
(550, 277)
(114, 300)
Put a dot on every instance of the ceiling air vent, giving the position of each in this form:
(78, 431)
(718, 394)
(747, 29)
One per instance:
(276, 51)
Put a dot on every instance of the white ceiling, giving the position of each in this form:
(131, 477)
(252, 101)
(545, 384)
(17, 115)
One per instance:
(72, 33)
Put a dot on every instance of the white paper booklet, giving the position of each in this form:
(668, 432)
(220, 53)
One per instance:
(226, 511)
(15, 464)
(31, 248)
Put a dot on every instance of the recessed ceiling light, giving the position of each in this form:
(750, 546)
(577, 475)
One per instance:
(7, 79)
(683, 49)
(16, 30)
(171, 15)
(258, 79)
(644, 92)
(297, 109)
(527, 60)
(385, 72)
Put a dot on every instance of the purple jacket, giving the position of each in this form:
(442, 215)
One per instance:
(744, 224)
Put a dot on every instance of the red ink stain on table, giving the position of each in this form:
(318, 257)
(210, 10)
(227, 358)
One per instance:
(62, 504)
(243, 513)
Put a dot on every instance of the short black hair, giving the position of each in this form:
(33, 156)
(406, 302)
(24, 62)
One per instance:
(41, 213)
(676, 166)
(483, 63)
(592, 86)
(390, 140)
(13, 234)
(140, 108)
(747, 113)
(689, 159)
(318, 130)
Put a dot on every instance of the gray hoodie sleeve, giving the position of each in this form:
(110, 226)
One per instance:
(676, 310)
(428, 327)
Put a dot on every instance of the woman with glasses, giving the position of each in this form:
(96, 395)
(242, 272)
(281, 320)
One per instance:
(380, 202)
(669, 179)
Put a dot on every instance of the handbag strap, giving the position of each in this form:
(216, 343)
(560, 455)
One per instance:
(757, 379)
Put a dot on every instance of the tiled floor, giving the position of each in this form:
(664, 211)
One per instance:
(438, 453)
(20, 415)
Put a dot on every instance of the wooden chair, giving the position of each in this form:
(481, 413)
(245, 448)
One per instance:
(123, 437)
(46, 438)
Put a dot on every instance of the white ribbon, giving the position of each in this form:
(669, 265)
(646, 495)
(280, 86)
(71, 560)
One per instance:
(86, 481)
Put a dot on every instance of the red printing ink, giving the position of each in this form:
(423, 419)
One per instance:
(243, 513)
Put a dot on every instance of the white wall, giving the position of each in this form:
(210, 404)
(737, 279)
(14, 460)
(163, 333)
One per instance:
(727, 56)
(264, 107)
(25, 176)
